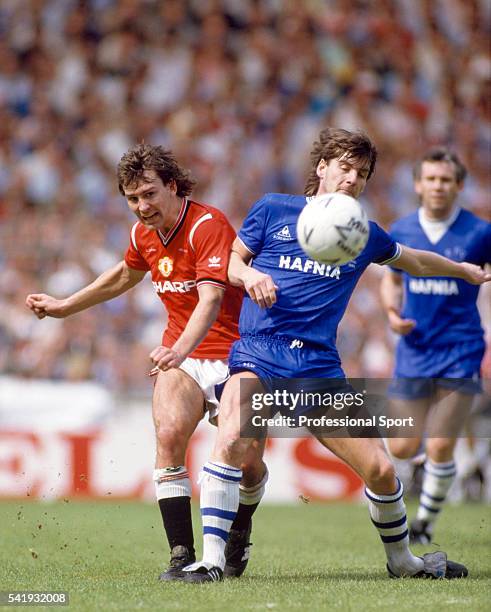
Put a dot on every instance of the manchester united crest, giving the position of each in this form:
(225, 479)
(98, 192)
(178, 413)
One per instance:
(165, 266)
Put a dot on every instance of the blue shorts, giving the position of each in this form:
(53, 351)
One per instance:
(419, 370)
(286, 364)
(281, 357)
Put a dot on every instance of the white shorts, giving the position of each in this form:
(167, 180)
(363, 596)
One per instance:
(208, 373)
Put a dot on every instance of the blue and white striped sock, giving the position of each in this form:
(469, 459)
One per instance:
(219, 502)
(437, 480)
(388, 514)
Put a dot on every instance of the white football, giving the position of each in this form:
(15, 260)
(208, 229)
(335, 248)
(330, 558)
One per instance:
(333, 228)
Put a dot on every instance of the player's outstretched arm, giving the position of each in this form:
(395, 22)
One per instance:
(259, 286)
(198, 325)
(391, 292)
(426, 263)
(108, 285)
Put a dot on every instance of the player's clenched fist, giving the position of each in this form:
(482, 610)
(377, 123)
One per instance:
(260, 287)
(164, 358)
(43, 305)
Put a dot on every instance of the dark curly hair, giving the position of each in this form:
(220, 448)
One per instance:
(333, 143)
(143, 157)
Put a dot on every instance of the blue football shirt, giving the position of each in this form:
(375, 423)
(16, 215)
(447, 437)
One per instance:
(312, 297)
(444, 307)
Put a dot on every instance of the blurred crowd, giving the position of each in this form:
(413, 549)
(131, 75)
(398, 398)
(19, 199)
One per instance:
(238, 89)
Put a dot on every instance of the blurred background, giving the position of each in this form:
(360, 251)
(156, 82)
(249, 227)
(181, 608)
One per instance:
(238, 89)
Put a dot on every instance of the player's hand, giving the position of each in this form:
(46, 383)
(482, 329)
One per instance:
(399, 325)
(260, 288)
(164, 358)
(43, 305)
(475, 274)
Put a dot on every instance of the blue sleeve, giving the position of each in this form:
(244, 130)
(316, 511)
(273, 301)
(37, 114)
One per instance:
(395, 236)
(385, 249)
(252, 231)
(485, 250)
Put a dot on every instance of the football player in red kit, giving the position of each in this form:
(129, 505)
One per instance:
(185, 246)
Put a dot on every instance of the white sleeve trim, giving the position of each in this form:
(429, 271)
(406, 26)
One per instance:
(218, 284)
(196, 225)
(395, 257)
(245, 245)
(133, 236)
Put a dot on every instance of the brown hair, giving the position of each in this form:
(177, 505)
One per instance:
(441, 154)
(143, 157)
(333, 143)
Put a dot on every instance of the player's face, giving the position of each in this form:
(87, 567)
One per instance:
(153, 202)
(344, 175)
(437, 187)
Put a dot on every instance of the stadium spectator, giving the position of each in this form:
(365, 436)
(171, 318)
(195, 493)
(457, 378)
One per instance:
(248, 84)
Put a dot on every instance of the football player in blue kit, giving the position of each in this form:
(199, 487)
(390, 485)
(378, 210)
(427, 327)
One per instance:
(439, 354)
(288, 328)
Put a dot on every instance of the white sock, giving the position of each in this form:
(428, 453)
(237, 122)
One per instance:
(437, 480)
(253, 495)
(219, 501)
(172, 482)
(388, 514)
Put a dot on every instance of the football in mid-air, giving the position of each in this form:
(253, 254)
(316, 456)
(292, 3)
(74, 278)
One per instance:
(333, 228)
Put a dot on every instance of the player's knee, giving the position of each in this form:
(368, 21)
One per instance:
(380, 474)
(440, 449)
(232, 448)
(171, 441)
(405, 448)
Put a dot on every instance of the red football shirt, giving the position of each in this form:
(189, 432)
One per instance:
(195, 251)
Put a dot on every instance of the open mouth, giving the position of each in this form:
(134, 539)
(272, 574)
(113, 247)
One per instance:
(150, 218)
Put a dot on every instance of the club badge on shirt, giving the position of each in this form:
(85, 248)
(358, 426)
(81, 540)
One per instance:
(166, 266)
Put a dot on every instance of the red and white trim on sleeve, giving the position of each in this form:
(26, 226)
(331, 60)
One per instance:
(133, 236)
(195, 227)
(211, 281)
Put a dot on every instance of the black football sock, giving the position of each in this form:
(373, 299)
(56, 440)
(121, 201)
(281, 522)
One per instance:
(243, 516)
(178, 525)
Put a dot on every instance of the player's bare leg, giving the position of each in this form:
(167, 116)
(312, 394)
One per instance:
(384, 492)
(407, 448)
(410, 450)
(220, 492)
(178, 405)
(446, 421)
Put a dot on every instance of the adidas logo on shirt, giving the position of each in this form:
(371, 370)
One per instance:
(283, 234)
(214, 262)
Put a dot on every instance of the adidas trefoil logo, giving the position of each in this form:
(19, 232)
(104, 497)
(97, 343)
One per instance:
(283, 234)
(214, 262)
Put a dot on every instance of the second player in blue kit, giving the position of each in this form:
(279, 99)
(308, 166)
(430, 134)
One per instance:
(439, 353)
